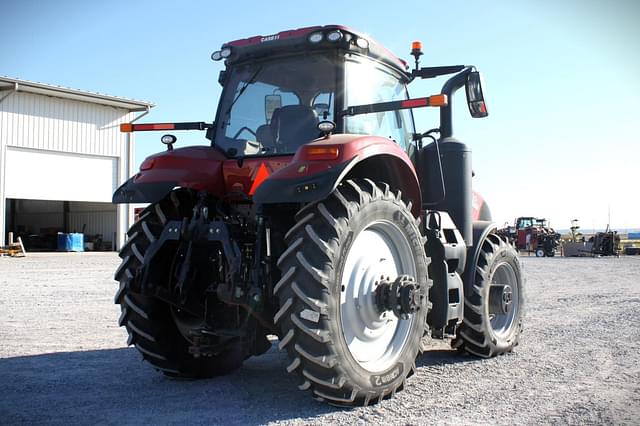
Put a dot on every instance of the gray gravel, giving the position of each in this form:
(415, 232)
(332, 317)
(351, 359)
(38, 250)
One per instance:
(63, 360)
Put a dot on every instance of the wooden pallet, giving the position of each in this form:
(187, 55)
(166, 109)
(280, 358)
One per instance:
(13, 250)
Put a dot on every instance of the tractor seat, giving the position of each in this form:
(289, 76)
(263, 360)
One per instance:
(293, 126)
(264, 136)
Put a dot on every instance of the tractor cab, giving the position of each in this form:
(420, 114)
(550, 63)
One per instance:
(318, 215)
(279, 88)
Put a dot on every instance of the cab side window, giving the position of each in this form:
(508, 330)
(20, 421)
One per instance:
(368, 83)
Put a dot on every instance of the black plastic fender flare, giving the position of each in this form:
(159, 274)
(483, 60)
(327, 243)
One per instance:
(481, 229)
(320, 186)
(132, 192)
(303, 190)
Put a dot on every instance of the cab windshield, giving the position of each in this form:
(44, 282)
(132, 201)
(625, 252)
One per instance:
(274, 107)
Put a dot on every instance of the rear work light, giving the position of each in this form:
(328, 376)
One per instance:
(223, 53)
(326, 126)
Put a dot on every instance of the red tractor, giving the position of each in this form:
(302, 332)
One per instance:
(318, 215)
(533, 235)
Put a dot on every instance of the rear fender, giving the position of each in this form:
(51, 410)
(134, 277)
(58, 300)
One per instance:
(479, 208)
(196, 167)
(305, 180)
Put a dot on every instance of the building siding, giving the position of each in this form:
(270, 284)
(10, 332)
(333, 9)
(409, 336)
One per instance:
(54, 124)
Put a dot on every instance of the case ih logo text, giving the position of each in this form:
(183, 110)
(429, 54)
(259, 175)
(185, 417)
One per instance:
(270, 38)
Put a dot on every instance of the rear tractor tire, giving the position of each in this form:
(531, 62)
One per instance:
(494, 302)
(344, 347)
(151, 323)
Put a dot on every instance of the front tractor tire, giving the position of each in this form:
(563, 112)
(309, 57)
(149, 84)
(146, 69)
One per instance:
(494, 302)
(152, 324)
(346, 348)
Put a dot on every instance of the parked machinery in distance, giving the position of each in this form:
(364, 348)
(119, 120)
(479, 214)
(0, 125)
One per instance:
(533, 235)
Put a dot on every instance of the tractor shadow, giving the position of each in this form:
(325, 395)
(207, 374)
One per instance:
(440, 357)
(114, 386)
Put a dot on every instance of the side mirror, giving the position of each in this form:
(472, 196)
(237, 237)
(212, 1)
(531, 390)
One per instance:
(475, 96)
(271, 103)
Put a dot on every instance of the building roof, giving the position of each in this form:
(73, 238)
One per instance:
(7, 83)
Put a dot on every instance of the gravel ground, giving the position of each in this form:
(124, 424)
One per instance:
(63, 359)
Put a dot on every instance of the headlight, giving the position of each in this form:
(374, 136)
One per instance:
(334, 36)
(362, 43)
(315, 37)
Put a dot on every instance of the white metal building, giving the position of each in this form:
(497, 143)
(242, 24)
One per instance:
(61, 158)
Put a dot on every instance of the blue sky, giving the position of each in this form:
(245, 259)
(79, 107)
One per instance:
(562, 139)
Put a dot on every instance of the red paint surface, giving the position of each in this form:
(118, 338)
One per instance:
(154, 126)
(206, 168)
(476, 205)
(415, 103)
(301, 32)
(282, 35)
(197, 167)
(241, 177)
(349, 146)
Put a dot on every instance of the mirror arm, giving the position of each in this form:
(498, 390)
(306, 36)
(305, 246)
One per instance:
(432, 72)
(450, 88)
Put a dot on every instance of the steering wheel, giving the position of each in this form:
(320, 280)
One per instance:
(242, 129)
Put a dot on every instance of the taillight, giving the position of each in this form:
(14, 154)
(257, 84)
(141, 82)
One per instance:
(318, 153)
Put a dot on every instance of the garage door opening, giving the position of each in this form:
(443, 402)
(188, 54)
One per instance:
(38, 222)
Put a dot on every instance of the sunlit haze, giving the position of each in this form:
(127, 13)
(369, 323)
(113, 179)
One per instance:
(562, 85)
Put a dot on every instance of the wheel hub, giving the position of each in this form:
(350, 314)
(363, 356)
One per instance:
(500, 299)
(402, 296)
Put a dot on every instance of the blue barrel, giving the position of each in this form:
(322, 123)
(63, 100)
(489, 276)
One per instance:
(70, 242)
(634, 235)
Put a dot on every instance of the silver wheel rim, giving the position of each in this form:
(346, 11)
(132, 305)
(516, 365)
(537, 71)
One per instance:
(502, 324)
(375, 340)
